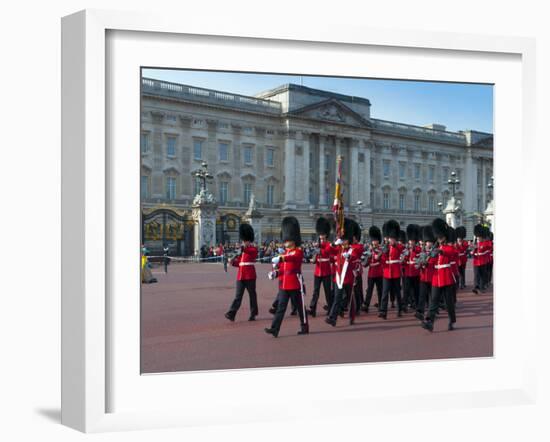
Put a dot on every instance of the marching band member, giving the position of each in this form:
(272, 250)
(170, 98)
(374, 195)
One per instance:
(490, 259)
(357, 268)
(462, 249)
(454, 261)
(412, 272)
(442, 280)
(290, 277)
(392, 264)
(323, 272)
(344, 276)
(426, 272)
(373, 262)
(246, 273)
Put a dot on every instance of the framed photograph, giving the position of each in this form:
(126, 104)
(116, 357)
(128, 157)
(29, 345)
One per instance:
(253, 145)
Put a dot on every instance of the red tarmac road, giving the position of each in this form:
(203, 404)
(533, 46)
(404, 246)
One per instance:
(183, 327)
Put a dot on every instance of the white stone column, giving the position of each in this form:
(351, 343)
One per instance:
(322, 184)
(354, 172)
(304, 176)
(290, 170)
(367, 178)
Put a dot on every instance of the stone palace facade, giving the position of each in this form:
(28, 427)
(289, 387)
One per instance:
(281, 146)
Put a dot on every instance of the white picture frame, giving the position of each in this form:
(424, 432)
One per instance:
(88, 168)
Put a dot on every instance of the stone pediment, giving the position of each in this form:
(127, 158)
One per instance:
(333, 111)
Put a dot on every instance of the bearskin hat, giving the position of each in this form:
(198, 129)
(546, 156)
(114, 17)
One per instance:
(451, 234)
(349, 230)
(402, 236)
(461, 232)
(375, 234)
(427, 234)
(479, 230)
(246, 232)
(491, 235)
(440, 228)
(391, 229)
(290, 230)
(413, 232)
(322, 226)
(356, 230)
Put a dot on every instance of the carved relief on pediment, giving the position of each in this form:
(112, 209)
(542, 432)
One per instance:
(331, 112)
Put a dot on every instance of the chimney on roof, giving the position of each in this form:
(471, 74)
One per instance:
(436, 126)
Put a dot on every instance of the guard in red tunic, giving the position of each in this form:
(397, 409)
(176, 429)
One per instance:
(357, 287)
(322, 272)
(411, 272)
(451, 240)
(426, 261)
(345, 257)
(462, 248)
(373, 262)
(482, 250)
(291, 285)
(490, 259)
(392, 264)
(442, 279)
(246, 273)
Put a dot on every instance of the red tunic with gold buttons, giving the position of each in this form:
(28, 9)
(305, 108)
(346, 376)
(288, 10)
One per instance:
(427, 272)
(340, 260)
(358, 250)
(245, 262)
(462, 250)
(482, 253)
(375, 264)
(410, 268)
(391, 262)
(322, 260)
(443, 274)
(289, 268)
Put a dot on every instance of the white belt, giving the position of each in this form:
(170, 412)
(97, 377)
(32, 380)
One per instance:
(246, 263)
(461, 254)
(442, 266)
(453, 262)
(411, 262)
(483, 253)
(374, 264)
(323, 259)
(393, 261)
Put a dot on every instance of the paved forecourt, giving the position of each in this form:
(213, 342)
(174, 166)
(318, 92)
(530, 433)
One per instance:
(183, 327)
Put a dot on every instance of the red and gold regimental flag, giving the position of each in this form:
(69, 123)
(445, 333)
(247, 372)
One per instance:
(338, 205)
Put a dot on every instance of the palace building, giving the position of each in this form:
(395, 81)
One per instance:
(281, 146)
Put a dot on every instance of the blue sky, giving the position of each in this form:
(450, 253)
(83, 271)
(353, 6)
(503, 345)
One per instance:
(459, 106)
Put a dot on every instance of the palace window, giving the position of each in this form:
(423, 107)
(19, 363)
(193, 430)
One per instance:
(386, 200)
(431, 173)
(197, 149)
(144, 187)
(144, 142)
(170, 188)
(417, 202)
(327, 161)
(247, 192)
(417, 172)
(361, 157)
(386, 168)
(269, 196)
(431, 204)
(248, 155)
(223, 191)
(171, 146)
(401, 201)
(445, 175)
(224, 151)
(401, 170)
(270, 157)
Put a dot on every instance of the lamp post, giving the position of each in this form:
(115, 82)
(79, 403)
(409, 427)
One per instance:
(359, 208)
(453, 181)
(440, 206)
(203, 175)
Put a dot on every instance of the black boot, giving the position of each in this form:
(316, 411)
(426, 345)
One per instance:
(428, 325)
(419, 316)
(230, 316)
(272, 331)
(304, 329)
(272, 310)
(312, 312)
(382, 315)
(252, 318)
(294, 312)
(330, 321)
(451, 326)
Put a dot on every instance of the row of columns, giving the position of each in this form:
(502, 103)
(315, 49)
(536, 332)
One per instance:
(297, 169)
